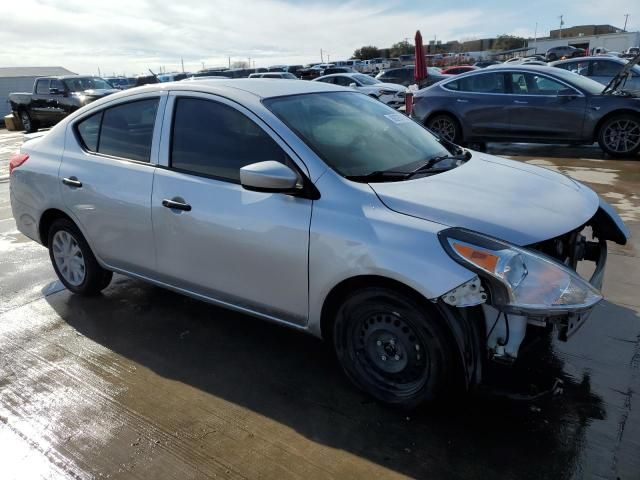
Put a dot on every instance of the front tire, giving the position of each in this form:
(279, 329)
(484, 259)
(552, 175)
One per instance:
(619, 136)
(393, 347)
(73, 260)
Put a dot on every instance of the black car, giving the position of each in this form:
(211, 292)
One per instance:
(405, 76)
(556, 53)
(523, 103)
(332, 70)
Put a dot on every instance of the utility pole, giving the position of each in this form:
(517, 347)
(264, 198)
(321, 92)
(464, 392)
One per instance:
(321, 56)
(561, 24)
(626, 18)
(203, 65)
(99, 74)
(328, 58)
(182, 63)
(535, 39)
(229, 63)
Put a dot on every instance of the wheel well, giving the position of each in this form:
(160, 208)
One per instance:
(459, 333)
(46, 220)
(608, 116)
(443, 112)
(340, 292)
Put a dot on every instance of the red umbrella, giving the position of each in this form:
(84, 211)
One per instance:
(420, 69)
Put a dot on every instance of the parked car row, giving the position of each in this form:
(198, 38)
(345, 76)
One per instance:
(525, 103)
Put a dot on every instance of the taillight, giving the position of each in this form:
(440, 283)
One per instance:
(17, 160)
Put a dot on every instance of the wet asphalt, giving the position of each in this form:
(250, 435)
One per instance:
(144, 383)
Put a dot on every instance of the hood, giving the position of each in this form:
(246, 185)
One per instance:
(99, 93)
(513, 201)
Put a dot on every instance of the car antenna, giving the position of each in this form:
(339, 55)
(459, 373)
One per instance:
(621, 78)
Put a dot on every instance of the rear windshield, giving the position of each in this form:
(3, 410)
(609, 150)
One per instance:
(81, 84)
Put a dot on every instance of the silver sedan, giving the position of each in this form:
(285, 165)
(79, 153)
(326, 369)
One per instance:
(317, 207)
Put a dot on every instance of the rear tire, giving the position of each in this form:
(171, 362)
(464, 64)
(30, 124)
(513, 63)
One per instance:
(26, 121)
(393, 347)
(446, 126)
(619, 136)
(73, 260)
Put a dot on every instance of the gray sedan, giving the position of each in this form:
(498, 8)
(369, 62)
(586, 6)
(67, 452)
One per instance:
(319, 208)
(601, 69)
(531, 104)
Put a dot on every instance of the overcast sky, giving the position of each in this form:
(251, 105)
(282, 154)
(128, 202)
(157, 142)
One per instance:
(129, 36)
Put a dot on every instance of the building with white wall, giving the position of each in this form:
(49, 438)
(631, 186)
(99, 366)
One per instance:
(617, 42)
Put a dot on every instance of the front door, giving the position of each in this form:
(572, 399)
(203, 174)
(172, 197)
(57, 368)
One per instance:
(106, 178)
(542, 108)
(213, 237)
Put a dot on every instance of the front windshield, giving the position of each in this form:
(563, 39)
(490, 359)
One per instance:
(365, 79)
(355, 134)
(81, 84)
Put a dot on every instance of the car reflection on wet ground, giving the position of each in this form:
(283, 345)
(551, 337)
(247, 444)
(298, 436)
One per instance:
(144, 383)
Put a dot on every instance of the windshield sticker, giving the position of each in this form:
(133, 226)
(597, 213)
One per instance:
(398, 118)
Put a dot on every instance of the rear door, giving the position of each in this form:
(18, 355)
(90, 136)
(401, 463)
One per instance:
(480, 103)
(239, 247)
(542, 107)
(106, 178)
(602, 71)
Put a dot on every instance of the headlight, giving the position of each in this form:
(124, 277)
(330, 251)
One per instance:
(521, 280)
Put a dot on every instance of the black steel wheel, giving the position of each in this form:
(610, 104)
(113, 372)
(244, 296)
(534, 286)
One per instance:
(392, 347)
(27, 124)
(619, 136)
(446, 126)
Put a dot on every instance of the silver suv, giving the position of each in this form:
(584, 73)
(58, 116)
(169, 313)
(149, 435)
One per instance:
(320, 208)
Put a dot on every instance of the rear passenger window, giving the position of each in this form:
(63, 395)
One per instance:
(482, 83)
(213, 139)
(127, 130)
(89, 131)
(42, 87)
(124, 131)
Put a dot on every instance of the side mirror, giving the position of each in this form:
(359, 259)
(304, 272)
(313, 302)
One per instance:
(269, 176)
(353, 84)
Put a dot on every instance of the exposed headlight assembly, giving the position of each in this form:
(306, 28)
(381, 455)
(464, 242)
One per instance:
(520, 280)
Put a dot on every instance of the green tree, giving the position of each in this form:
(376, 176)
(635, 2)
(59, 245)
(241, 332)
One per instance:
(366, 53)
(402, 48)
(509, 42)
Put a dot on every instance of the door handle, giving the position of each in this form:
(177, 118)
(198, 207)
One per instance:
(176, 205)
(520, 102)
(72, 182)
(460, 100)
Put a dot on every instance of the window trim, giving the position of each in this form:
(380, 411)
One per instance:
(308, 191)
(155, 139)
(507, 72)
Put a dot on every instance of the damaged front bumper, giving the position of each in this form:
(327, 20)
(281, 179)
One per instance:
(506, 321)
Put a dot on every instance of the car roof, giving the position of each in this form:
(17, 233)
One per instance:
(521, 66)
(593, 57)
(258, 87)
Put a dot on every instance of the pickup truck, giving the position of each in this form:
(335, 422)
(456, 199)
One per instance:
(53, 98)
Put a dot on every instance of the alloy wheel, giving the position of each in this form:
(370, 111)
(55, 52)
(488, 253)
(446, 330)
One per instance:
(69, 258)
(445, 128)
(622, 136)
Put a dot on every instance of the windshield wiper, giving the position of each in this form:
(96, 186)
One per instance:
(380, 176)
(433, 161)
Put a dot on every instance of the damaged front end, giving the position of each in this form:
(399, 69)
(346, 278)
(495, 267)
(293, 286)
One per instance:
(533, 286)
